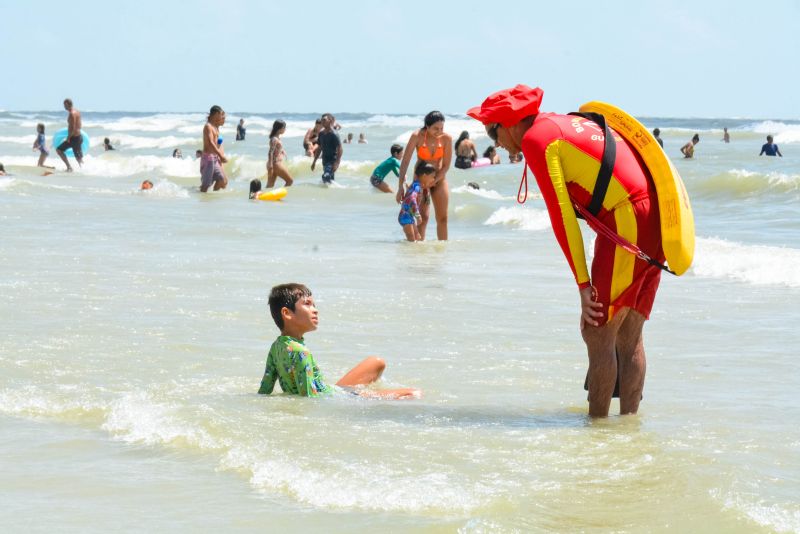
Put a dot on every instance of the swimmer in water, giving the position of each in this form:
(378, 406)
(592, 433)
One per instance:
(291, 363)
(688, 149)
(255, 188)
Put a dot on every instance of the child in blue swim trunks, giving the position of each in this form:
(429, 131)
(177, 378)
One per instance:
(409, 217)
(391, 164)
(292, 364)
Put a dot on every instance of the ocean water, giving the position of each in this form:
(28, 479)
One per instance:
(135, 329)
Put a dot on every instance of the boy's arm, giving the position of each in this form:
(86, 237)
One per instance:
(270, 375)
(304, 374)
(414, 208)
(396, 167)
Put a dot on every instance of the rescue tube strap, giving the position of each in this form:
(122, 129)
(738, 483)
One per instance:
(606, 164)
(617, 239)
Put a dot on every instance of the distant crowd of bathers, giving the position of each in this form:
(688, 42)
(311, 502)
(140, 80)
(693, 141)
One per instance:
(433, 147)
(769, 148)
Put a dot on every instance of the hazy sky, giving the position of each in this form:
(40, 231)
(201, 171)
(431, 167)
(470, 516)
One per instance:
(659, 58)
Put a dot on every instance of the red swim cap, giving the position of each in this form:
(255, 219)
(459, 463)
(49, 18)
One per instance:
(508, 106)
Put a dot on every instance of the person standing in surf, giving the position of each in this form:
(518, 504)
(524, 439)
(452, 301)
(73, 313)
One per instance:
(770, 148)
(211, 171)
(564, 152)
(74, 138)
(41, 145)
(688, 149)
(329, 146)
(434, 146)
(466, 153)
(275, 166)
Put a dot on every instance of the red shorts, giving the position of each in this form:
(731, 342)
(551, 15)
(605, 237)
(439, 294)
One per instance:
(621, 279)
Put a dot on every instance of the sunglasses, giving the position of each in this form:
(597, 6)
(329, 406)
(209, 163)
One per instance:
(491, 131)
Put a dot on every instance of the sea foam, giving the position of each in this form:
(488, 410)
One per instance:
(753, 264)
(523, 218)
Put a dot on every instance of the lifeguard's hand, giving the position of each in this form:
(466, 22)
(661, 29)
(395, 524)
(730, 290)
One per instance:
(400, 194)
(590, 310)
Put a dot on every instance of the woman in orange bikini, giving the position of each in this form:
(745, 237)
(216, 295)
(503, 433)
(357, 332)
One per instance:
(434, 146)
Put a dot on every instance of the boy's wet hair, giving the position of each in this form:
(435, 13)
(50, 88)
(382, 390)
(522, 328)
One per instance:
(395, 149)
(214, 110)
(423, 168)
(255, 187)
(285, 296)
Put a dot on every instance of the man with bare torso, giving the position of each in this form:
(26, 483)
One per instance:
(74, 138)
(211, 171)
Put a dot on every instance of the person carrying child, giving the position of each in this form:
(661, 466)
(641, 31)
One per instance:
(411, 217)
(390, 164)
(291, 363)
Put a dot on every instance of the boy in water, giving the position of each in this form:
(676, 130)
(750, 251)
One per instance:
(213, 157)
(391, 164)
(292, 364)
(409, 217)
(330, 147)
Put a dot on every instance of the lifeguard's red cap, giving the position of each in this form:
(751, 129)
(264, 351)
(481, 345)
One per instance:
(508, 106)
